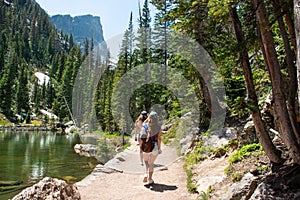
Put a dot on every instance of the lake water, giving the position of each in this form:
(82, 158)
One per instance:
(29, 157)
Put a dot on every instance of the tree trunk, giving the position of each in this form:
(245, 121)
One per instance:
(263, 136)
(288, 15)
(280, 108)
(292, 72)
(297, 33)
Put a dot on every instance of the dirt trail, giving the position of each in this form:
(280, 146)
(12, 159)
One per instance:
(169, 177)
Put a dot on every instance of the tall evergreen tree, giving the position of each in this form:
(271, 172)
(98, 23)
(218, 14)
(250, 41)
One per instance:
(144, 45)
(280, 107)
(22, 91)
(7, 84)
(144, 34)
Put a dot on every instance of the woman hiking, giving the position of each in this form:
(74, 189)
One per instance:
(150, 144)
(138, 126)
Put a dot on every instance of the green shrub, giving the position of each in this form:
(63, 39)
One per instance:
(171, 133)
(4, 121)
(191, 182)
(126, 145)
(236, 176)
(245, 151)
(263, 169)
(199, 154)
(228, 169)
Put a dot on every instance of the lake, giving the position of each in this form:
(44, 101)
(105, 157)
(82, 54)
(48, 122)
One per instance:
(29, 157)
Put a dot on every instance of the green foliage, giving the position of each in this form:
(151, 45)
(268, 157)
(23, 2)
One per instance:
(236, 176)
(30, 43)
(36, 122)
(22, 96)
(200, 153)
(205, 195)
(228, 169)
(262, 169)
(191, 182)
(126, 146)
(170, 135)
(4, 121)
(245, 151)
(228, 147)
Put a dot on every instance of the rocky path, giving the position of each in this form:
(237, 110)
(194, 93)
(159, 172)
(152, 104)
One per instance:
(121, 178)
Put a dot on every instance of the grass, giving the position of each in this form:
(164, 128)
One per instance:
(36, 122)
(170, 135)
(4, 121)
(205, 195)
(236, 176)
(240, 155)
(126, 146)
(245, 151)
(191, 182)
(200, 153)
(263, 168)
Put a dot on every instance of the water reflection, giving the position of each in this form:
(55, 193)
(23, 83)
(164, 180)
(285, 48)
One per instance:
(28, 157)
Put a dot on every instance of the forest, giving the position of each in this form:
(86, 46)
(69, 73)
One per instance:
(253, 44)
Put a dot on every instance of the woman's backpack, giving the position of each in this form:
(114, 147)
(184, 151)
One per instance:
(147, 145)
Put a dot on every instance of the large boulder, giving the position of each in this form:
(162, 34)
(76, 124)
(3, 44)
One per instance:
(88, 150)
(50, 188)
(283, 183)
(248, 135)
(220, 138)
(243, 189)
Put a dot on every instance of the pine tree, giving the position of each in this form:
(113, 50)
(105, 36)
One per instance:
(144, 42)
(144, 34)
(29, 39)
(3, 49)
(22, 91)
(7, 84)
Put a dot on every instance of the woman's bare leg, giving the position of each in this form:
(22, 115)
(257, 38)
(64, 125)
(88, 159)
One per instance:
(146, 158)
(151, 165)
(141, 156)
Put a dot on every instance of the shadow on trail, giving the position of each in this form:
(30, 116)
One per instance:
(160, 187)
(158, 165)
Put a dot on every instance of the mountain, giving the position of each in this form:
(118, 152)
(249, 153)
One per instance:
(81, 27)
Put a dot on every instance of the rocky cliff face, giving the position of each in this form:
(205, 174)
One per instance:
(82, 27)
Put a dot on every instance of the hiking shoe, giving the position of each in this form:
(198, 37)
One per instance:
(150, 181)
(145, 178)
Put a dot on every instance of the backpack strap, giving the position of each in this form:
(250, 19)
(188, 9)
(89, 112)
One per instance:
(146, 127)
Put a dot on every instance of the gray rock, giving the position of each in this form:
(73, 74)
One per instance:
(248, 136)
(219, 138)
(105, 170)
(88, 150)
(50, 188)
(121, 159)
(243, 189)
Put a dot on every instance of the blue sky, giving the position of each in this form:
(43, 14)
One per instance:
(114, 14)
